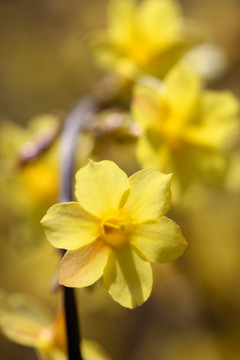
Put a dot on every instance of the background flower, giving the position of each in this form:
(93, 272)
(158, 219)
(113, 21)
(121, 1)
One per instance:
(146, 37)
(26, 321)
(186, 130)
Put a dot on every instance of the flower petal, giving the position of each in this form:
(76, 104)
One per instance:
(128, 278)
(23, 318)
(149, 196)
(154, 157)
(147, 107)
(68, 226)
(219, 107)
(219, 121)
(100, 187)
(52, 353)
(83, 267)
(160, 242)
(93, 351)
(160, 17)
(120, 16)
(183, 88)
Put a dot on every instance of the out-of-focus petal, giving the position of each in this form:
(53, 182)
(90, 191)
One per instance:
(158, 157)
(147, 107)
(128, 278)
(219, 123)
(22, 318)
(100, 187)
(68, 226)
(93, 351)
(220, 117)
(160, 242)
(207, 60)
(121, 14)
(53, 353)
(83, 267)
(183, 88)
(161, 22)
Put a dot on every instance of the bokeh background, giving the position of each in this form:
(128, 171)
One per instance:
(194, 310)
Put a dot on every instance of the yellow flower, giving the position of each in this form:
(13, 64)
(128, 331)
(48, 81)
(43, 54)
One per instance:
(186, 130)
(29, 181)
(33, 184)
(27, 322)
(115, 229)
(141, 37)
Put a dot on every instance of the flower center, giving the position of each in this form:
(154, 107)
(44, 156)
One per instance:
(114, 234)
(172, 131)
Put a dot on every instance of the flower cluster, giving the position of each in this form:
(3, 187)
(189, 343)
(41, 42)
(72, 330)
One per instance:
(187, 130)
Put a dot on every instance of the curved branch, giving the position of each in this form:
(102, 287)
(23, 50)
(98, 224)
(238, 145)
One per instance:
(75, 123)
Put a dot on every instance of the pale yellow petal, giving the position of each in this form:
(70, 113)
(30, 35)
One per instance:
(160, 242)
(68, 226)
(219, 106)
(218, 124)
(161, 22)
(51, 353)
(103, 53)
(183, 88)
(93, 351)
(22, 318)
(220, 118)
(100, 187)
(128, 278)
(154, 155)
(149, 197)
(121, 15)
(83, 267)
(147, 108)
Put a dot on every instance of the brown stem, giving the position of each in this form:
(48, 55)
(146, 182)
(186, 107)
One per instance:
(76, 121)
(72, 325)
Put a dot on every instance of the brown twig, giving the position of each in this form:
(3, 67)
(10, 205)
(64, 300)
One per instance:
(75, 123)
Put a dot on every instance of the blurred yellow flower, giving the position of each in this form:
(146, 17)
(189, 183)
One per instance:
(115, 230)
(28, 176)
(27, 322)
(40, 181)
(186, 130)
(32, 182)
(145, 37)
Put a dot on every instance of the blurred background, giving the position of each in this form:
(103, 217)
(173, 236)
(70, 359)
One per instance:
(194, 310)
